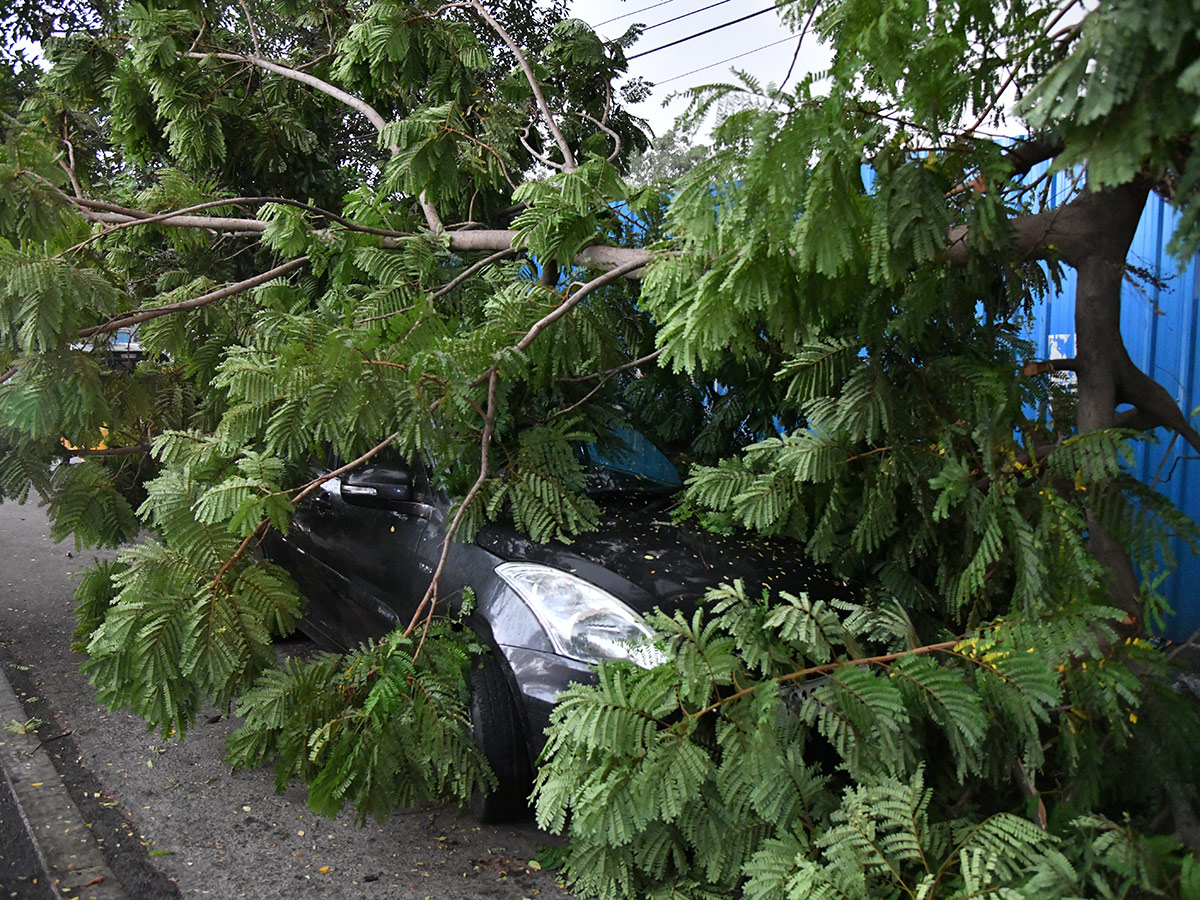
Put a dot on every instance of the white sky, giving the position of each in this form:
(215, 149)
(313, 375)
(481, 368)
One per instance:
(670, 68)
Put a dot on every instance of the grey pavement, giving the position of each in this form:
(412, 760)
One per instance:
(46, 818)
(169, 818)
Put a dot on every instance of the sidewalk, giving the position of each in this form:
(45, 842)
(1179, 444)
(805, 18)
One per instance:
(43, 829)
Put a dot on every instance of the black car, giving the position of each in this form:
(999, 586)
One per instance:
(363, 549)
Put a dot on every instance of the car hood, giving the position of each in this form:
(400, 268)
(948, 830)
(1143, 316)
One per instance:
(638, 554)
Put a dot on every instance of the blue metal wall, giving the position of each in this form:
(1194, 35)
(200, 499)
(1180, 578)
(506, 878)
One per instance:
(1159, 325)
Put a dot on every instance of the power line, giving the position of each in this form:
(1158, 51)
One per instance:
(700, 34)
(723, 61)
(686, 14)
(634, 13)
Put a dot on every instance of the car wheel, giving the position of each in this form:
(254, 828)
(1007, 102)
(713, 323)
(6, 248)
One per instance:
(498, 733)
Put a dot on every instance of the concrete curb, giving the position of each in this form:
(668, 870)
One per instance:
(68, 852)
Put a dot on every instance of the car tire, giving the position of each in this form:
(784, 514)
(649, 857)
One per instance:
(500, 736)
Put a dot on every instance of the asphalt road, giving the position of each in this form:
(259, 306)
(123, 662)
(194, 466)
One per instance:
(171, 818)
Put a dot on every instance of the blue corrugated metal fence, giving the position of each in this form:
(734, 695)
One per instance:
(1159, 324)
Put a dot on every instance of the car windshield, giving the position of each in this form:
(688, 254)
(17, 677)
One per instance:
(627, 463)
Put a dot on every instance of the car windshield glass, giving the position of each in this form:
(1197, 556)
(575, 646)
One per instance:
(627, 462)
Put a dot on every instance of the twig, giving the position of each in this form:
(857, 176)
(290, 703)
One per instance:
(632, 364)
(829, 667)
(44, 741)
(604, 377)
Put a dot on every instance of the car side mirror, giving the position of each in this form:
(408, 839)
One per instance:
(381, 487)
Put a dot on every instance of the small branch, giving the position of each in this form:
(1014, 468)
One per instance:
(573, 300)
(69, 165)
(203, 300)
(9, 374)
(612, 134)
(403, 367)
(428, 603)
(523, 138)
(608, 373)
(1048, 367)
(304, 492)
(469, 271)
(568, 163)
(253, 29)
(604, 377)
(829, 667)
(339, 472)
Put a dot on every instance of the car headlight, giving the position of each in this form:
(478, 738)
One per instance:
(582, 620)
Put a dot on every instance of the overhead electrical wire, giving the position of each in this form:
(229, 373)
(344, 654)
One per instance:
(722, 62)
(684, 15)
(634, 13)
(700, 34)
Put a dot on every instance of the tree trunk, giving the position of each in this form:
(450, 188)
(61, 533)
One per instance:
(1097, 248)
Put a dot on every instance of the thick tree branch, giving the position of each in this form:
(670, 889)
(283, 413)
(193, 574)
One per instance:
(221, 224)
(355, 103)
(139, 217)
(203, 300)
(1155, 407)
(484, 240)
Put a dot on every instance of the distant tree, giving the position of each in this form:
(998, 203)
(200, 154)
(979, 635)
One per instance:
(668, 159)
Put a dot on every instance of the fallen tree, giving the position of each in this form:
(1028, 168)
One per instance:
(406, 225)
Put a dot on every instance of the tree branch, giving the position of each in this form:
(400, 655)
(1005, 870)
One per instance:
(356, 103)
(569, 163)
(139, 217)
(203, 300)
(573, 300)
(494, 240)
(608, 373)
(429, 602)
(469, 271)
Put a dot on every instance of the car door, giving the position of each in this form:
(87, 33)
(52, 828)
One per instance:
(354, 548)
